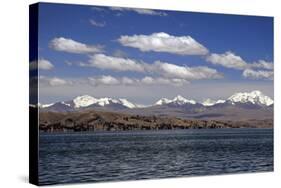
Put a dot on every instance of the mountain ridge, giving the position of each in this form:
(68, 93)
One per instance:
(255, 98)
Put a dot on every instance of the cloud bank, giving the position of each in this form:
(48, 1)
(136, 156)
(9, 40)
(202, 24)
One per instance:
(108, 80)
(164, 69)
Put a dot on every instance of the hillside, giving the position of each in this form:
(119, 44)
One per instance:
(92, 120)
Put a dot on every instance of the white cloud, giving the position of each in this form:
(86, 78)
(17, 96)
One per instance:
(147, 80)
(42, 64)
(119, 53)
(163, 42)
(128, 81)
(140, 11)
(72, 46)
(164, 69)
(100, 9)
(163, 81)
(184, 72)
(53, 81)
(256, 75)
(57, 81)
(231, 60)
(97, 24)
(114, 63)
(262, 64)
(104, 80)
(227, 59)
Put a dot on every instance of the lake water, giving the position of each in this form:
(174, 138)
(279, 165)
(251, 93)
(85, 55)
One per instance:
(114, 156)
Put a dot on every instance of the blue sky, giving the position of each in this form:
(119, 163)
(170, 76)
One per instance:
(235, 51)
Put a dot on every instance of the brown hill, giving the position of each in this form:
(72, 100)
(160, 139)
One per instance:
(112, 121)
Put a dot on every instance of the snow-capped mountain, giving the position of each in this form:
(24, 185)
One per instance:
(179, 100)
(128, 104)
(210, 102)
(85, 101)
(163, 101)
(254, 97)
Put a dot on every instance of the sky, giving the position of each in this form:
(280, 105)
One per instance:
(143, 55)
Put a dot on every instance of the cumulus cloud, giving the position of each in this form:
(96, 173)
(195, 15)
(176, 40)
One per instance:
(114, 63)
(163, 81)
(227, 59)
(231, 60)
(104, 80)
(163, 42)
(119, 53)
(140, 11)
(147, 80)
(42, 64)
(57, 81)
(72, 46)
(128, 81)
(53, 81)
(164, 69)
(259, 74)
(262, 65)
(185, 72)
(96, 23)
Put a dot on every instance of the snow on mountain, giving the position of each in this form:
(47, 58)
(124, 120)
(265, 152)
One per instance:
(181, 100)
(66, 103)
(210, 102)
(84, 101)
(177, 100)
(220, 101)
(45, 105)
(254, 97)
(105, 101)
(163, 101)
(127, 103)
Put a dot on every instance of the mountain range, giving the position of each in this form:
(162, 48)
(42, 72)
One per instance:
(245, 105)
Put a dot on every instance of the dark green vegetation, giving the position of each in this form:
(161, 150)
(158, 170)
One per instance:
(112, 121)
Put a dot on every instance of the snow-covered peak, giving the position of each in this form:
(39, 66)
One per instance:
(163, 101)
(86, 100)
(105, 101)
(254, 97)
(45, 105)
(177, 100)
(67, 104)
(220, 101)
(210, 102)
(83, 101)
(128, 104)
(181, 100)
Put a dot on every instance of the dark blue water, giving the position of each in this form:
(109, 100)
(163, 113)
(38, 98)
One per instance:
(114, 156)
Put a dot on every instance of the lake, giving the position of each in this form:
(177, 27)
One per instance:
(115, 156)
